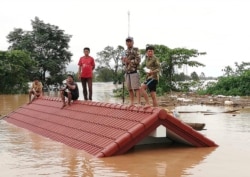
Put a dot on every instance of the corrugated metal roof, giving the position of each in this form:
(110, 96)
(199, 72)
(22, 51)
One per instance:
(101, 129)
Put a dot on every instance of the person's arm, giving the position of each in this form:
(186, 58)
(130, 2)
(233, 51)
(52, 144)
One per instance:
(156, 67)
(137, 56)
(124, 58)
(32, 88)
(79, 71)
(71, 87)
(93, 64)
(63, 88)
(79, 68)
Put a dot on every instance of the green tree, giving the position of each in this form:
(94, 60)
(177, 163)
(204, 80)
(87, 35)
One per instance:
(47, 45)
(233, 82)
(15, 68)
(228, 71)
(202, 76)
(194, 76)
(181, 77)
(239, 69)
(110, 58)
(171, 60)
(104, 74)
(230, 85)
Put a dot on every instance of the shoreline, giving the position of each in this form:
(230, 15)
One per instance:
(175, 99)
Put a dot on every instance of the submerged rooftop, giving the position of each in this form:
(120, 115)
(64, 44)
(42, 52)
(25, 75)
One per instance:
(101, 129)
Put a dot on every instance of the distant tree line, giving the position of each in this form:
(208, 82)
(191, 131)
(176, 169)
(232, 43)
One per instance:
(234, 82)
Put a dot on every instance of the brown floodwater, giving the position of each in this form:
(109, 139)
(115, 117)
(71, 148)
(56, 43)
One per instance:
(25, 154)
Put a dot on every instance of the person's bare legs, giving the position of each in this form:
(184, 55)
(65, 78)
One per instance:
(153, 95)
(63, 98)
(138, 94)
(32, 96)
(69, 98)
(131, 96)
(145, 95)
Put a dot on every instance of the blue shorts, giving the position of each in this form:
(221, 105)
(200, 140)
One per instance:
(151, 84)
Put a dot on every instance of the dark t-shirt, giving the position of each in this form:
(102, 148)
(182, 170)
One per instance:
(74, 92)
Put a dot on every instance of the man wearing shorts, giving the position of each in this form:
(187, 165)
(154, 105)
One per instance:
(70, 91)
(131, 61)
(152, 76)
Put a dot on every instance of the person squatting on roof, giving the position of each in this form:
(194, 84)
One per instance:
(131, 61)
(35, 90)
(70, 91)
(86, 66)
(152, 76)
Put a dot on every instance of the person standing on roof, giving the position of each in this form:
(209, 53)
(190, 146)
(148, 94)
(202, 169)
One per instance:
(152, 70)
(131, 61)
(85, 73)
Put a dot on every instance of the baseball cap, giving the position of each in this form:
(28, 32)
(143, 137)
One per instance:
(129, 39)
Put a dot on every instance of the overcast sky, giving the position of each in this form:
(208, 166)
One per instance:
(219, 27)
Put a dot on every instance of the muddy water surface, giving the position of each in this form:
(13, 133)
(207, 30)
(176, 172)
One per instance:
(26, 154)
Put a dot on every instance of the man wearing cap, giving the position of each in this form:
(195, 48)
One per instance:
(131, 61)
